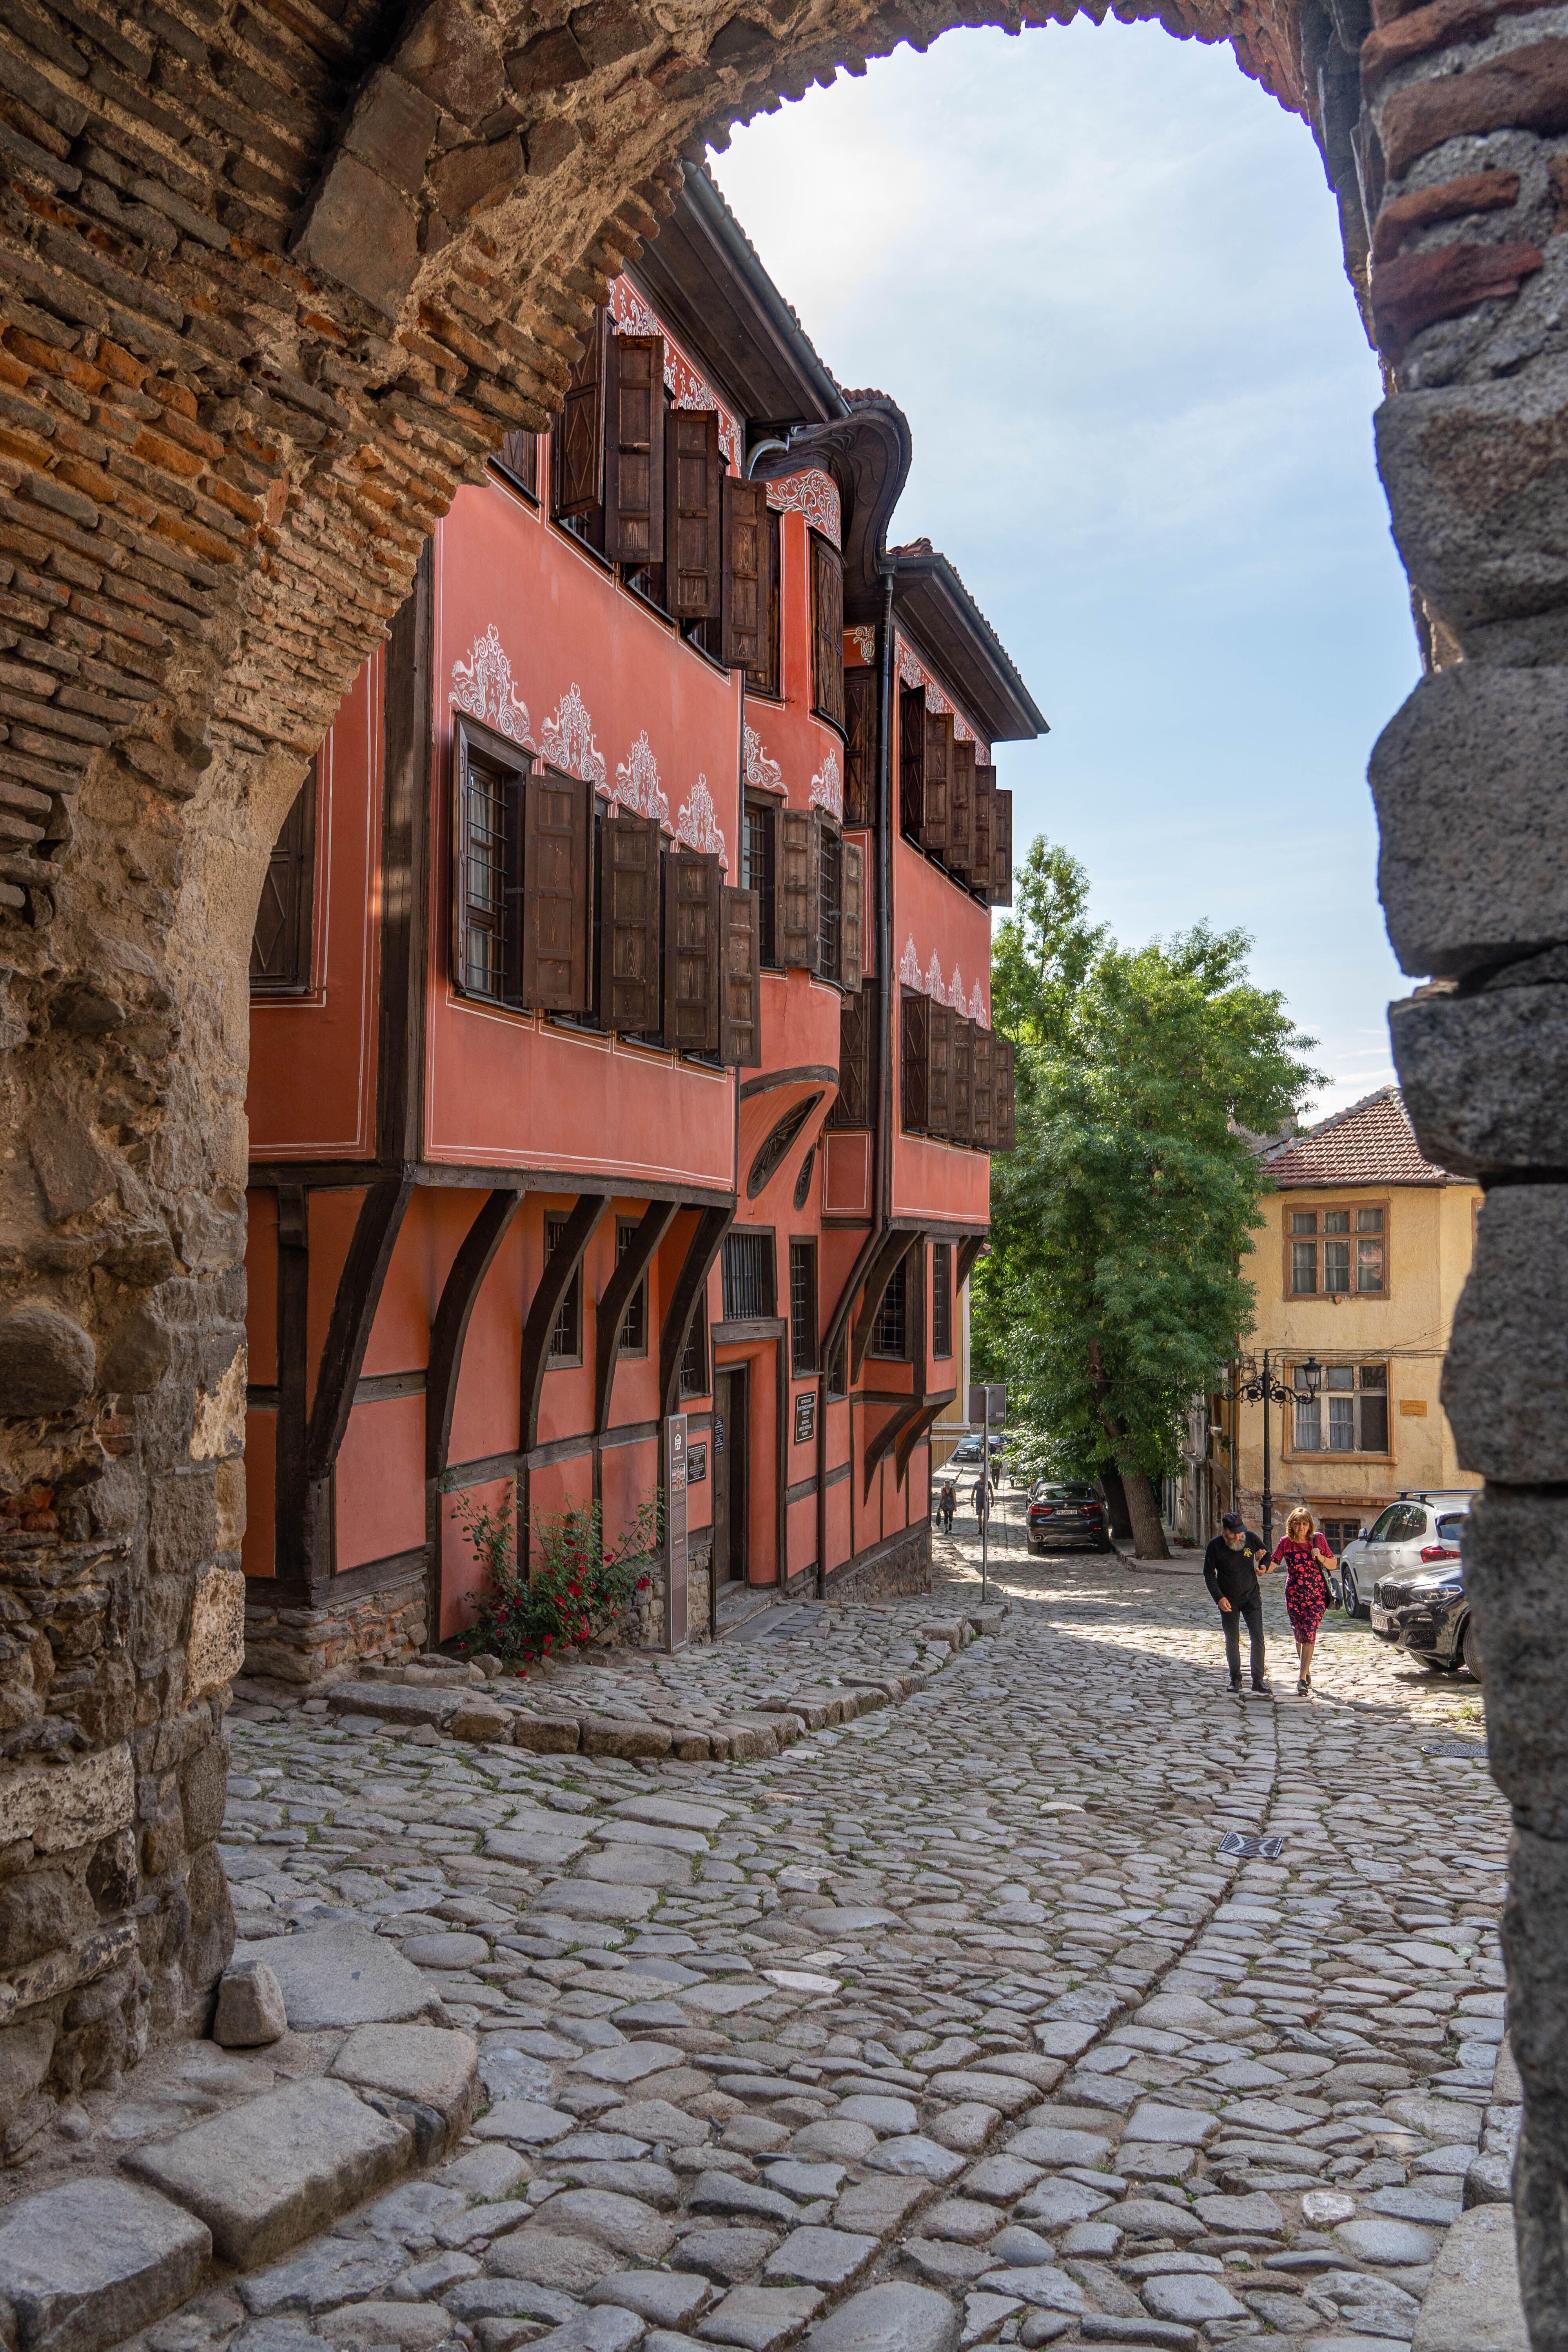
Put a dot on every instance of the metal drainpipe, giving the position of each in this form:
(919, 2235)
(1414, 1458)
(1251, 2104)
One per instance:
(883, 829)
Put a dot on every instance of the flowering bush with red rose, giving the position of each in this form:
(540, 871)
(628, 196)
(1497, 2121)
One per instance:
(578, 1593)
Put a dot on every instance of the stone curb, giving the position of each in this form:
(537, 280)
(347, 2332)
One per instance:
(488, 1718)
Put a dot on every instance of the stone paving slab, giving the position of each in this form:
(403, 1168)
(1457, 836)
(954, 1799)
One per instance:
(84, 2266)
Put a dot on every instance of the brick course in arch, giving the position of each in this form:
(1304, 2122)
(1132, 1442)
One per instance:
(273, 280)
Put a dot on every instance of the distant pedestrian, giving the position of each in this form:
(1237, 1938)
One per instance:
(944, 1509)
(1231, 1568)
(980, 1498)
(1308, 1563)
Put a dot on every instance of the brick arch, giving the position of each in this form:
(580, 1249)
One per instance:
(273, 280)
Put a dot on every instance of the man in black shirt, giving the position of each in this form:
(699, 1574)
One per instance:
(1232, 1565)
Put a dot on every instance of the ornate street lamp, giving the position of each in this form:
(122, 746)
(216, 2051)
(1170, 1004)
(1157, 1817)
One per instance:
(1263, 1387)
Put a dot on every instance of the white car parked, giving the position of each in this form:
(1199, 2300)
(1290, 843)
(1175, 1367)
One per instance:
(1418, 1533)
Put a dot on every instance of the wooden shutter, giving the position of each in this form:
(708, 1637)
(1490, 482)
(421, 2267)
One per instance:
(826, 629)
(962, 1079)
(862, 698)
(911, 760)
(985, 813)
(629, 925)
(939, 1071)
(767, 679)
(692, 890)
(739, 1011)
(633, 450)
(693, 514)
(281, 942)
(852, 918)
(800, 888)
(982, 1104)
(915, 1023)
(1003, 1115)
(1001, 848)
(580, 436)
(853, 1105)
(519, 458)
(960, 809)
(557, 815)
(743, 596)
(939, 768)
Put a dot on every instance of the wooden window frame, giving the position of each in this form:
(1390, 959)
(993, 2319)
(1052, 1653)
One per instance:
(838, 1371)
(765, 1235)
(1333, 1203)
(829, 902)
(841, 1116)
(1358, 1453)
(517, 467)
(755, 805)
(893, 1303)
(826, 637)
(635, 1318)
(477, 748)
(568, 1323)
(942, 1300)
(300, 911)
(699, 1381)
(805, 1333)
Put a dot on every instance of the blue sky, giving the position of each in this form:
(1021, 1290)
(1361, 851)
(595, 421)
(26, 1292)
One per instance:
(1101, 273)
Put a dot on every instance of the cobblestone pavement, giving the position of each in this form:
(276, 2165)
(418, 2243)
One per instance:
(948, 2023)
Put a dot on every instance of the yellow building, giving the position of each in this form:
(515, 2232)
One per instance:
(1359, 1264)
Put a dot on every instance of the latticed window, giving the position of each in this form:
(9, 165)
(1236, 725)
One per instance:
(748, 1277)
(889, 1333)
(803, 1306)
(1350, 1415)
(830, 900)
(566, 1337)
(1335, 1252)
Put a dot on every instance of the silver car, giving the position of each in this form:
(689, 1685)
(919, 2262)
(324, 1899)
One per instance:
(1413, 1537)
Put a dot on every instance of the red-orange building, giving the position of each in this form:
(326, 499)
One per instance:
(620, 1037)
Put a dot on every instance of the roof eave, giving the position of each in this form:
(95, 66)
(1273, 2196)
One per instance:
(966, 648)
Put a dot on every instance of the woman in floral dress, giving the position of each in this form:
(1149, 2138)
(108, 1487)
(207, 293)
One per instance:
(1307, 1559)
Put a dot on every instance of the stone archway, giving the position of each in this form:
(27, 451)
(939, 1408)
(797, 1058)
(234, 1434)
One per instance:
(274, 281)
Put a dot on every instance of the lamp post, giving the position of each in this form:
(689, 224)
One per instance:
(1266, 1389)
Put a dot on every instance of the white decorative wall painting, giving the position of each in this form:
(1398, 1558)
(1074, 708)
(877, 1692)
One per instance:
(827, 787)
(567, 742)
(686, 386)
(637, 786)
(482, 687)
(955, 993)
(814, 495)
(910, 966)
(977, 1011)
(935, 983)
(697, 823)
(864, 640)
(762, 774)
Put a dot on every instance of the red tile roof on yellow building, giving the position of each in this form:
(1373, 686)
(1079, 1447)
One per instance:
(1372, 1142)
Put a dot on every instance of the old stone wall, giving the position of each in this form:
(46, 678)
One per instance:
(903, 1564)
(309, 1650)
(272, 281)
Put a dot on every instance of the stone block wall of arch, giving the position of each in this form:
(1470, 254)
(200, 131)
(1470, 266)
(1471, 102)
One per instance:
(273, 282)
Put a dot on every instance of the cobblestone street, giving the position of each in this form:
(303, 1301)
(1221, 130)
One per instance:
(948, 2023)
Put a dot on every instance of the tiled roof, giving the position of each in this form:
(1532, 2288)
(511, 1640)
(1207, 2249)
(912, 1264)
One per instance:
(1372, 1143)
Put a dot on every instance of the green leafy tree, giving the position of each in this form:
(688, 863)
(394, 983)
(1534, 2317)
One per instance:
(1113, 1290)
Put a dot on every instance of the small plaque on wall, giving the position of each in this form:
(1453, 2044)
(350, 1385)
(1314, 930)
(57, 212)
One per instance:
(806, 1416)
(696, 1464)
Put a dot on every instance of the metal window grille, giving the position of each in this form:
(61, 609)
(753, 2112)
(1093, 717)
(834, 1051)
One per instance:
(803, 1306)
(564, 1338)
(941, 1298)
(748, 1277)
(634, 1322)
(889, 1335)
(694, 1359)
(830, 904)
(758, 874)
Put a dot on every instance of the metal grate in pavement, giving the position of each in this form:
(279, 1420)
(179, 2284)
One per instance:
(1252, 1849)
(1475, 1748)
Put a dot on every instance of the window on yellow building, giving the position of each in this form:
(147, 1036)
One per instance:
(1338, 1253)
(1349, 1415)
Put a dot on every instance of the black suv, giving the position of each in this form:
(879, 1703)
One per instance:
(1423, 1607)
(1067, 1510)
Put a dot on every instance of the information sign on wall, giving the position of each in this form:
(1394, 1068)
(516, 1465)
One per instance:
(675, 1624)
